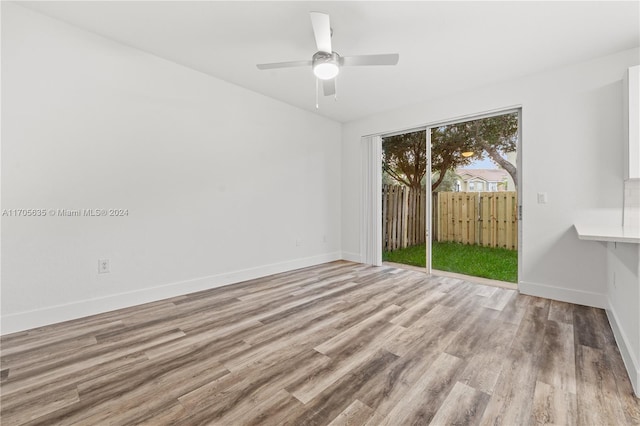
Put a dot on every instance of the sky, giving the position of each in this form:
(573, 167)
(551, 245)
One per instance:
(482, 164)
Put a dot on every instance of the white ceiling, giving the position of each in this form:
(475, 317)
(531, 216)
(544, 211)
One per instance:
(444, 47)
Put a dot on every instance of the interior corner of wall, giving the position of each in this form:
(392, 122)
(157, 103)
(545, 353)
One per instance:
(629, 358)
(351, 257)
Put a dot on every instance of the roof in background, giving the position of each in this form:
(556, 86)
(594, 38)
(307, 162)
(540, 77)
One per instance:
(488, 175)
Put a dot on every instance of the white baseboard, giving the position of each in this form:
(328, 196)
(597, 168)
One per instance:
(579, 297)
(628, 357)
(352, 257)
(54, 314)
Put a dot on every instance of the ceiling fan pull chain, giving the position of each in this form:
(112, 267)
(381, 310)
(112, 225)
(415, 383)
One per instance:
(317, 104)
(335, 84)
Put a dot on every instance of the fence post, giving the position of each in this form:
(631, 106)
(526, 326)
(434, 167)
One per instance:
(404, 208)
(384, 218)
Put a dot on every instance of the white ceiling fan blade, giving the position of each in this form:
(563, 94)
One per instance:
(321, 31)
(385, 59)
(290, 64)
(329, 87)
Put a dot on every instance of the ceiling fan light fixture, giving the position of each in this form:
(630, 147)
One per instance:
(467, 154)
(326, 71)
(325, 65)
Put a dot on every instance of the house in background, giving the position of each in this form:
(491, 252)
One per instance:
(484, 180)
(228, 173)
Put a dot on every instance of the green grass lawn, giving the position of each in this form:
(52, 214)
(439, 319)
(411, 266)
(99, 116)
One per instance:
(487, 262)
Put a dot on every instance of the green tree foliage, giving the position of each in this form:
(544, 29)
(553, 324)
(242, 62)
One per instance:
(490, 137)
(404, 157)
(448, 184)
(447, 145)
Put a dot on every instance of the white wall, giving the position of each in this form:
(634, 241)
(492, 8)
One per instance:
(623, 288)
(572, 149)
(219, 181)
(623, 260)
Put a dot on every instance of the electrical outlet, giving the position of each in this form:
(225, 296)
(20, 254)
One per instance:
(104, 266)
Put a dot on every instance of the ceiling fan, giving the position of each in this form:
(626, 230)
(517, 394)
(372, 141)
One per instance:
(326, 63)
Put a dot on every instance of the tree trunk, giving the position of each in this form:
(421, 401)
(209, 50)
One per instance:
(495, 156)
(441, 175)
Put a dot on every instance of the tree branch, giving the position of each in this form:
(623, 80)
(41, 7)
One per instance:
(396, 176)
(495, 156)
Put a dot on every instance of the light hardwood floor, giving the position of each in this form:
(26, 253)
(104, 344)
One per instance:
(338, 344)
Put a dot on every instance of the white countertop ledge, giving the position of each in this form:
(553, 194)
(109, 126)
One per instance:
(612, 233)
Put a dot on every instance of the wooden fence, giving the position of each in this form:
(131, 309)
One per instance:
(403, 217)
(482, 218)
(487, 219)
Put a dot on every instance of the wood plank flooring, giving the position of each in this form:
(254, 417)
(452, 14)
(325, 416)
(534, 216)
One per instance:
(336, 344)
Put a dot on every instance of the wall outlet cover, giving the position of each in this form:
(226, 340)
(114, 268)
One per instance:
(104, 266)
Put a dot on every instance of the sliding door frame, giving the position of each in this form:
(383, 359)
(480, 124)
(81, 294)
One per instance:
(427, 128)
